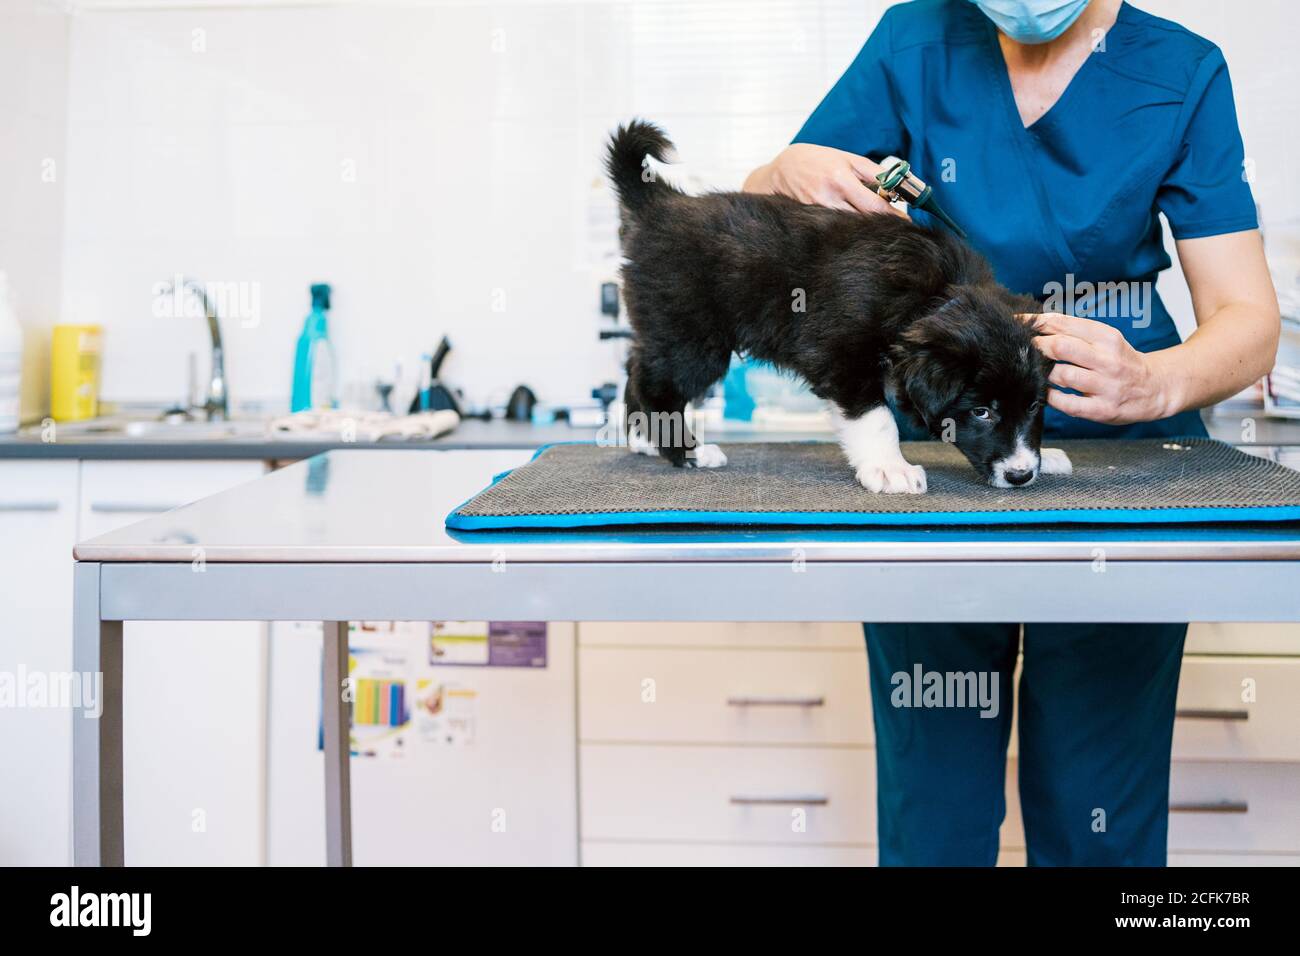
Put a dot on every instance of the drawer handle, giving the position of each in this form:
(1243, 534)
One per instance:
(1193, 713)
(810, 800)
(16, 506)
(1222, 806)
(128, 507)
(776, 701)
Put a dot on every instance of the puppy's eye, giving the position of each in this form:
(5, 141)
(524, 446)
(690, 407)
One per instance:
(982, 413)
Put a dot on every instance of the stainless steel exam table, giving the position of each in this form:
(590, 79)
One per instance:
(358, 535)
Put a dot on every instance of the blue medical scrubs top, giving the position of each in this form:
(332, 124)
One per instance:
(1147, 125)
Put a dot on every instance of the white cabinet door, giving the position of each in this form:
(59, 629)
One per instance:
(38, 526)
(194, 694)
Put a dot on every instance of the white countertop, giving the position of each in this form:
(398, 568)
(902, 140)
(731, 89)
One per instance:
(81, 441)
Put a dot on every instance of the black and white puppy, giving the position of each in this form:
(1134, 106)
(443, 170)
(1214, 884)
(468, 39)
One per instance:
(871, 311)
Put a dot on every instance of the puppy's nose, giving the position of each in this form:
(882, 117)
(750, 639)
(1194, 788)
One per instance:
(1019, 476)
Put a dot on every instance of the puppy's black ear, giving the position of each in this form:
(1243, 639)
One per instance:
(1023, 305)
(927, 372)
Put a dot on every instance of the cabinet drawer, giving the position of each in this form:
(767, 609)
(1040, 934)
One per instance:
(32, 489)
(1227, 807)
(1215, 723)
(722, 854)
(616, 853)
(674, 695)
(1234, 807)
(1218, 638)
(785, 795)
(736, 634)
(117, 493)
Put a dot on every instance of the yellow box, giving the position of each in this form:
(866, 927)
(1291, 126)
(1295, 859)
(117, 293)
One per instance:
(74, 372)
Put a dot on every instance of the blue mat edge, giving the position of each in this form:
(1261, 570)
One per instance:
(858, 519)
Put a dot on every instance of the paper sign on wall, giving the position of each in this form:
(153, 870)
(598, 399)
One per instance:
(445, 713)
(488, 643)
(400, 700)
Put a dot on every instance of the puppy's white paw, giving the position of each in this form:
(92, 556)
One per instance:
(893, 478)
(1053, 461)
(708, 456)
(638, 444)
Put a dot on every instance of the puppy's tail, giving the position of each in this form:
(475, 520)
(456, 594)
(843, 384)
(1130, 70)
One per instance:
(636, 182)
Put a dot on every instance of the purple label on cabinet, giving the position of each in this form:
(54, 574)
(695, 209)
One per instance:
(517, 644)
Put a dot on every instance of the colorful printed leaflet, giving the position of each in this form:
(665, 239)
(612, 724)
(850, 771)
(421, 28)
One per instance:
(380, 703)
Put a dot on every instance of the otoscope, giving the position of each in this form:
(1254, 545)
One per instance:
(895, 181)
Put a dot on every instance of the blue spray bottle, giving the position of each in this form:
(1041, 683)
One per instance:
(313, 365)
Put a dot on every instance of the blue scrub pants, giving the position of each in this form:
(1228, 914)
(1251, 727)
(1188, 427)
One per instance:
(1095, 728)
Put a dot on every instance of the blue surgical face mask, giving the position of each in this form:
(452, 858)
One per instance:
(1032, 21)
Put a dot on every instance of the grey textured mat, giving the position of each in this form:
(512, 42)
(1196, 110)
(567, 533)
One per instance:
(1157, 480)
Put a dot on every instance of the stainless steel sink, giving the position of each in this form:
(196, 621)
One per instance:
(152, 429)
(194, 430)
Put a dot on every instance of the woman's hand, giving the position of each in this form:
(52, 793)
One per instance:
(1235, 342)
(1118, 385)
(819, 175)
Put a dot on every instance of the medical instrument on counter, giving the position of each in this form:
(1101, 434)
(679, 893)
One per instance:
(895, 181)
(605, 393)
(433, 394)
(519, 407)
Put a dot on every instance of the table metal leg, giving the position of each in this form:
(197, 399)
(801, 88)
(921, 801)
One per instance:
(337, 720)
(96, 728)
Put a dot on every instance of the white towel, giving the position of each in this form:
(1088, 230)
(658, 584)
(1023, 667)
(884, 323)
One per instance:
(352, 426)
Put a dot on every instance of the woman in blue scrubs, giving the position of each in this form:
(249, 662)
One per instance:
(1055, 132)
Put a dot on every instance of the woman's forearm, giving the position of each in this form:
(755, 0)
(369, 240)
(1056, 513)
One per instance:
(1228, 352)
(1100, 376)
(1237, 321)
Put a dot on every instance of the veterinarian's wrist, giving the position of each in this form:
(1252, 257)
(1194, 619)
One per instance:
(1167, 390)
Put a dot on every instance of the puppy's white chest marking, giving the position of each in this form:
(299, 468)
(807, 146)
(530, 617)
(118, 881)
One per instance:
(1056, 462)
(871, 445)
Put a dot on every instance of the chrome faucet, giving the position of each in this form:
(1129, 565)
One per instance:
(216, 406)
